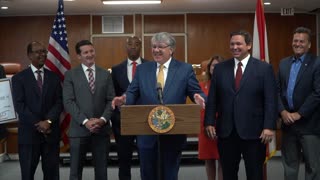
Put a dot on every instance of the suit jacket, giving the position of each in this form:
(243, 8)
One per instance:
(306, 94)
(250, 109)
(180, 83)
(82, 104)
(120, 83)
(33, 106)
(3, 130)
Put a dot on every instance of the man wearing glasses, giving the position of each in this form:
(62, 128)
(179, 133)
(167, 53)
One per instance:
(37, 97)
(178, 81)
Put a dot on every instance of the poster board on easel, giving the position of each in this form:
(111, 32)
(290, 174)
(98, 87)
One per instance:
(7, 111)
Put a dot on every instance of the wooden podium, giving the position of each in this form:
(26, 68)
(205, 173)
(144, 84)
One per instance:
(134, 119)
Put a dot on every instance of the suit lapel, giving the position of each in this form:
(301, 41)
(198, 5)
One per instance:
(46, 82)
(124, 70)
(171, 73)
(82, 76)
(247, 72)
(286, 70)
(230, 74)
(304, 66)
(34, 83)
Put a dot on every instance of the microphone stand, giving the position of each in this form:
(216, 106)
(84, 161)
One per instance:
(159, 169)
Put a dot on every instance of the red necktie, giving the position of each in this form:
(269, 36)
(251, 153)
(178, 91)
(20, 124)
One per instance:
(134, 67)
(238, 76)
(39, 79)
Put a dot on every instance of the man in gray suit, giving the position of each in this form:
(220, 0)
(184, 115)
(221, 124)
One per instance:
(87, 95)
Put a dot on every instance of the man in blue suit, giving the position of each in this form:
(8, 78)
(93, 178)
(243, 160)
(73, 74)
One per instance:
(179, 81)
(299, 107)
(242, 103)
(122, 75)
(37, 97)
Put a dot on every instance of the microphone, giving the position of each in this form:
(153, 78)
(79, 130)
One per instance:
(160, 93)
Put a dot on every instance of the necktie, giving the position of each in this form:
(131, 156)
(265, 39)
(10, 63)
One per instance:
(134, 67)
(39, 79)
(160, 78)
(91, 80)
(238, 76)
(295, 67)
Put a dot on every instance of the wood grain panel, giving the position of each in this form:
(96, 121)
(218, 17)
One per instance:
(179, 53)
(280, 32)
(164, 23)
(209, 34)
(17, 32)
(109, 50)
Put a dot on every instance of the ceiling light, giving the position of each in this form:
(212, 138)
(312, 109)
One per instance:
(4, 7)
(267, 3)
(121, 2)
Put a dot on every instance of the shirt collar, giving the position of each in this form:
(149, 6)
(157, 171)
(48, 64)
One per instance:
(34, 69)
(138, 61)
(301, 58)
(166, 64)
(243, 61)
(84, 67)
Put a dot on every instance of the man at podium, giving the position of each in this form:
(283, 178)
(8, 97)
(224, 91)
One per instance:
(178, 82)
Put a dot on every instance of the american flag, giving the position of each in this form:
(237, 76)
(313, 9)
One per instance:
(58, 60)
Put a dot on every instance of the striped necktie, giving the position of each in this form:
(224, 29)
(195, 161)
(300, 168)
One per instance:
(91, 80)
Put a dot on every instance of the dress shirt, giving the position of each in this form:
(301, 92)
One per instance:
(294, 70)
(34, 69)
(85, 68)
(244, 64)
(165, 70)
(129, 67)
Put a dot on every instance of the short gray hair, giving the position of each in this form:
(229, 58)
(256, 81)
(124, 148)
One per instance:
(164, 37)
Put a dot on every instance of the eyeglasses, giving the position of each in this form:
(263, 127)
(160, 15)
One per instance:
(159, 47)
(41, 51)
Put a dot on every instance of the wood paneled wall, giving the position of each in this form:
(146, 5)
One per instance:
(204, 35)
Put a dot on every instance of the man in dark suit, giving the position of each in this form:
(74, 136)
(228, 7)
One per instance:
(3, 131)
(243, 108)
(122, 75)
(87, 95)
(37, 97)
(179, 81)
(299, 107)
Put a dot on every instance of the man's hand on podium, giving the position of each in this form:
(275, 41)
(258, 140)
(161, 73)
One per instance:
(199, 100)
(118, 101)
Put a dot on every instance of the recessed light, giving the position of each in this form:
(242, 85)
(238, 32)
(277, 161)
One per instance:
(4, 7)
(118, 2)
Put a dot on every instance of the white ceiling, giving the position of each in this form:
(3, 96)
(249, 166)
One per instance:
(49, 7)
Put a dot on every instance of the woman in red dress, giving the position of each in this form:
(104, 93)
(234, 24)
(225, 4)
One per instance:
(207, 148)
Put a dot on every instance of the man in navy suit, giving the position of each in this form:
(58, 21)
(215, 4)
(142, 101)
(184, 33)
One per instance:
(122, 75)
(299, 107)
(242, 103)
(37, 97)
(179, 82)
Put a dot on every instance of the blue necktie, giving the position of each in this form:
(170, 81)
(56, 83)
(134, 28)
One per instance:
(295, 67)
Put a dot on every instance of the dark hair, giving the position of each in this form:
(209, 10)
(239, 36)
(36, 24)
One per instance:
(30, 46)
(215, 57)
(245, 34)
(303, 30)
(82, 43)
